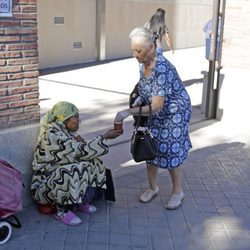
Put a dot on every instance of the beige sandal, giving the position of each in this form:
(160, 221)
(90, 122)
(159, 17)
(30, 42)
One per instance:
(175, 201)
(149, 194)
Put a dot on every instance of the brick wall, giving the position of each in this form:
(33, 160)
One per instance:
(19, 93)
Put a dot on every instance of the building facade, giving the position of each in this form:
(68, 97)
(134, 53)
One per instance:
(77, 31)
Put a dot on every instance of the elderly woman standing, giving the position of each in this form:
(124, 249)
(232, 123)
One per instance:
(65, 165)
(161, 86)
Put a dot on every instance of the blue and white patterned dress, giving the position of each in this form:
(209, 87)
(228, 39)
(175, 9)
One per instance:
(169, 126)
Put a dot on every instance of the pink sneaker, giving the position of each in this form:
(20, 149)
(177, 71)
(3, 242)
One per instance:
(87, 208)
(68, 218)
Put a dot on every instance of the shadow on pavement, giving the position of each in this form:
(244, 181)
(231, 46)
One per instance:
(215, 212)
(66, 68)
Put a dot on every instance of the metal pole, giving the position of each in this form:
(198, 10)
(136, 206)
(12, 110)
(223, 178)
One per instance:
(219, 77)
(222, 16)
(212, 90)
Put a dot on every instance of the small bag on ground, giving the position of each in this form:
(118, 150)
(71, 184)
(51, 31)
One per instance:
(108, 193)
(11, 185)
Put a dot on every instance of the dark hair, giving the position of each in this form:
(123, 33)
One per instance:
(157, 22)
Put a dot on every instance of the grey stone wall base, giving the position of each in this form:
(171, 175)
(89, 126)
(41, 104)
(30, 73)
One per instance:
(17, 147)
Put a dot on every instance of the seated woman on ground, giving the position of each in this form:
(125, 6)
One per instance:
(66, 169)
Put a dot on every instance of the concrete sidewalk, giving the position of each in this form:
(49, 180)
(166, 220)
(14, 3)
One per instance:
(216, 211)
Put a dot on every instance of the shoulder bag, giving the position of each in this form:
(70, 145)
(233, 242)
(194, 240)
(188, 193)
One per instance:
(143, 146)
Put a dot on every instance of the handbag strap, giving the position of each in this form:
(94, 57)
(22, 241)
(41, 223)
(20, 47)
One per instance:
(149, 123)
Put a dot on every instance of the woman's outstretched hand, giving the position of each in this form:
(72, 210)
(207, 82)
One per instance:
(112, 134)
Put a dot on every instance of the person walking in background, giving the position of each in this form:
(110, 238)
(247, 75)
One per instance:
(160, 85)
(65, 166)
(208, 28)
(160, 29)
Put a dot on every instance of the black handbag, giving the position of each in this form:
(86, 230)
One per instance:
(143, 146)
(109, 192)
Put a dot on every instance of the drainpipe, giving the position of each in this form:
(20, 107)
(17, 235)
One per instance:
(215, 62)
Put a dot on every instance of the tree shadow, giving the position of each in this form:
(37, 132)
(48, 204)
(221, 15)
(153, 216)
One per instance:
(83, 65)
(192, 81)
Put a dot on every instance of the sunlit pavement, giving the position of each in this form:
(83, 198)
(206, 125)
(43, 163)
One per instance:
(215, 213)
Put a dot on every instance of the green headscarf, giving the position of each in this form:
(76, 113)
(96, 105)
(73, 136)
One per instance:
(60, 112)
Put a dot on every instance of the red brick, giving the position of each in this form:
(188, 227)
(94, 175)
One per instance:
(29, 38)
(23, 89)
(3, 92)
(19, 61)
(30, 67)
(4, 39)
(15, 76)
(27, 2)
(10, 54)
(32, 81)
(21, 117)
(11, 98)
(22, 46)
(3, 77)
(9, 69)
(29, 23)
(2, 47)
(34, 95)
(29, 9)
(10, 112)
(24, 103)
(3, 106)
(34, 60)
(24, 16)
(34, 109)
(16, 8)
(10, 84)
(21, 31)
(2, 62)
(30, 53)
(10, 23)
(30, 74)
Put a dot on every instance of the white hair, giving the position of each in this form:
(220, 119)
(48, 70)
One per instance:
(142, 33)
